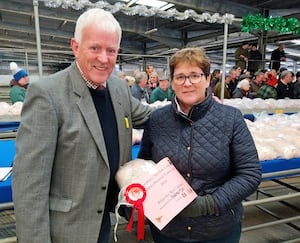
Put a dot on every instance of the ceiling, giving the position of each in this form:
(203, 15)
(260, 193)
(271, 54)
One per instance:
(18, 33)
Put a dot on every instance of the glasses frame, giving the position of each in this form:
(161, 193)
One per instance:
(189, 77)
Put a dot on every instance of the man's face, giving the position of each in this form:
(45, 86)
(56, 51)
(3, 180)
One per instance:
(96, 54)
(288, 78)
(281, 47)
(164, 84)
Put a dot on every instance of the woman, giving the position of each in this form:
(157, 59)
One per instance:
(18, 86)
(152, 82)
(211, 146)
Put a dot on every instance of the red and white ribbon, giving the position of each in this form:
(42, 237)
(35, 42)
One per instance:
(135, 194)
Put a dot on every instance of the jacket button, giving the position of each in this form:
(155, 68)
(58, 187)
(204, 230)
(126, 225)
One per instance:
(188, 175)
(189, 228)
(99, 211)
(103, 187)
(188, 148)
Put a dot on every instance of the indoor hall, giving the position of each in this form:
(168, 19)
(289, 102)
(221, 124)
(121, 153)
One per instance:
(36, 35)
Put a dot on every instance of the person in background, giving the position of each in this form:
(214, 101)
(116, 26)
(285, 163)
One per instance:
(227, 91)
(211, 147)
(121, 75)
(152, 82)
(130, 80)
(239, 72)
(272, 74)
(257, 83)
(297, 86)
(268, 90)
(215, 78)
(75, 132)
(245, 75)
(241, 56)
(163, 91)
(233, 80)
(149, 71)
(277, 56)
(255, 59)
(139, 88)
(280, 72)
(285, 87)
(18, 84)
(242, 90)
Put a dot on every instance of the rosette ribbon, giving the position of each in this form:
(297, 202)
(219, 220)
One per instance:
(135, 194)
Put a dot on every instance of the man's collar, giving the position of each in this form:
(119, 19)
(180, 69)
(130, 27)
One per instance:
(89, 83)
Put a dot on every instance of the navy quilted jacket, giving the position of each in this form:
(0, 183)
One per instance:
(214, 151)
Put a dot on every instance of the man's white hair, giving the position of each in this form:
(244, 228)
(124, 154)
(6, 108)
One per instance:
(104, 20)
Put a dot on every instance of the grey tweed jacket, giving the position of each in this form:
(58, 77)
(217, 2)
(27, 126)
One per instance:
(61, 169)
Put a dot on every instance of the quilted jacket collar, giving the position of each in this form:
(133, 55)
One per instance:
(197, 111)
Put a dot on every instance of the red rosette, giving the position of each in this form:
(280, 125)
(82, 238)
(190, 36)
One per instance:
(135, 194)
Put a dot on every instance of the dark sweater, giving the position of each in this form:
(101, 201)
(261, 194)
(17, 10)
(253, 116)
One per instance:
(108, 124)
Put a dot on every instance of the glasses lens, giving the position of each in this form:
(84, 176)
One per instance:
(195, 77)
(180, 79)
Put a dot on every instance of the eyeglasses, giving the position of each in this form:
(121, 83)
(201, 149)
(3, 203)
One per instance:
(193, 78)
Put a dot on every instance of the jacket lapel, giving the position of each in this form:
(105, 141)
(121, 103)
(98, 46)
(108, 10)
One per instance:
(88, 111)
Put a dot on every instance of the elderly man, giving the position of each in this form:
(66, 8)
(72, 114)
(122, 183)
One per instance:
(256, 83)
(163, 91)
(138, 89)
(284, 87)
(75, 132)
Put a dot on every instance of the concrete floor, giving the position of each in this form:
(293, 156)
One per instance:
(283, 233)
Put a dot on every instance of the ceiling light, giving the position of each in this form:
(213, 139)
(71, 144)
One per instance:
(130, 3)
(167, 6)
(152, 3)
(150, 31)
(297, 42)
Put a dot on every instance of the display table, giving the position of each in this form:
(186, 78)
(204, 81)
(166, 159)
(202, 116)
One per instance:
(7, 152)
(277, 168)
(9, 126)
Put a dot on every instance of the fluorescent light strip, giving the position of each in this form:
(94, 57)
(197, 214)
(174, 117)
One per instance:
(152, 3)
(169, 5)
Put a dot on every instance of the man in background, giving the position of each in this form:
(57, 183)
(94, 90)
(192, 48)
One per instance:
(138, 89)
(277, 56)
(241, 56)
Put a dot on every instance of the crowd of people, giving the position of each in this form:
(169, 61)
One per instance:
(149, 86)
(267, 84)
(249, 79)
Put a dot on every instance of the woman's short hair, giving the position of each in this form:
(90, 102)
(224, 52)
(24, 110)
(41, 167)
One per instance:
(191, 55)
(102, 19)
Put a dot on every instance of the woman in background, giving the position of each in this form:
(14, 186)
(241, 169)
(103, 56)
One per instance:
(18, 84)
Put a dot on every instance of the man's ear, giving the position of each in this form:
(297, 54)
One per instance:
(74, 46)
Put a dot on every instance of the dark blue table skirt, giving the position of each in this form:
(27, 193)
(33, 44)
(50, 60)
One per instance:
(9, 126)
(7, 152)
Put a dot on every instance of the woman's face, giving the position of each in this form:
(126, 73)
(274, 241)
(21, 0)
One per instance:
(23, 81)
(153, 79)
(189, 94)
